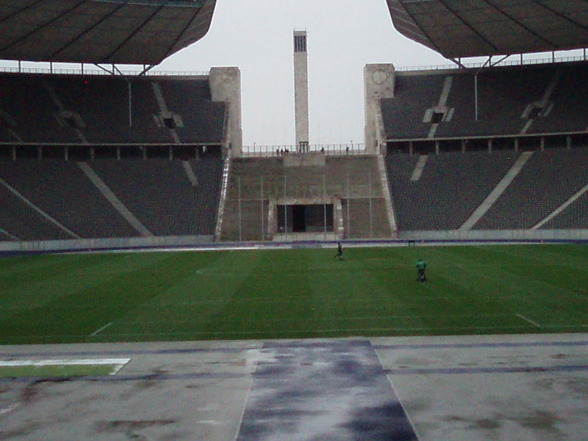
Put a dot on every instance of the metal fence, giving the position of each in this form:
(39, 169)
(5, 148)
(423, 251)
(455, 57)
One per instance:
(266, 151)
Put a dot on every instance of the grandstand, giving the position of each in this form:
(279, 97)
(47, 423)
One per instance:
(123, 162)
(487, 152)
(519, 107)
(108, 110)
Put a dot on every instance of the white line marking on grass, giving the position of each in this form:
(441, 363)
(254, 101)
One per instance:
(118, 363)
(95, 333)
(529, 320)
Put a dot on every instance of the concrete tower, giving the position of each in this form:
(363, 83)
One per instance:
(301, 91)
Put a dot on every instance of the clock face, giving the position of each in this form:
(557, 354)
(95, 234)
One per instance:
(379, 76)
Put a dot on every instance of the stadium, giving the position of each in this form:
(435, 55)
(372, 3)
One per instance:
(162, 280)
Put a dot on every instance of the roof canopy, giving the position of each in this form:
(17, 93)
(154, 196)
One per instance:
(469, 28)
(100, 31)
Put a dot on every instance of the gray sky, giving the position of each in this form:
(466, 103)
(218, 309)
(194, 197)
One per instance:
(343, 36)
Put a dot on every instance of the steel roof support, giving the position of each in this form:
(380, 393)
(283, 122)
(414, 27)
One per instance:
(518, 23)
(135, 32)
(87, 31)
(469, 26)
(43, 26)
(15, 13)
(562, 16)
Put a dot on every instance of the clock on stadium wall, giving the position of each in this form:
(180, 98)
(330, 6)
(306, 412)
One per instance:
(379, 76)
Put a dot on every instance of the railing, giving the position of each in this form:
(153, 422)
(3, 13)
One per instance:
(93, 70)
(266, 151)
(505, 62)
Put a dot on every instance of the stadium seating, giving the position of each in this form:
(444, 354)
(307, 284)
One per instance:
(451, 187)
(538, 99)
(574, 216)
(547, 181)
(30, 114)
(60, 189)
(20, 221)
(160, 195)
(157, 192)
(96, 110)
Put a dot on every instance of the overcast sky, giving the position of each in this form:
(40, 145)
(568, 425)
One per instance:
(343, 36)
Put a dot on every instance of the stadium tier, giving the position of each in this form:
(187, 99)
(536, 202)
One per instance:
(108, 110)
(547, 181)
(449, 189)
(277, 197)
(527, 107)
(57, 199)
(159, 193)
(504, 190)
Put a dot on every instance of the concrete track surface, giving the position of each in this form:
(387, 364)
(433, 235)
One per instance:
(531, 387)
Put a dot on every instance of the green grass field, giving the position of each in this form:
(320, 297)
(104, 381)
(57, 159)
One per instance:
(293, 294)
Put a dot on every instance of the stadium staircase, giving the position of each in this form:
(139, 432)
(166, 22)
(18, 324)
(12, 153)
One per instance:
(354, 185)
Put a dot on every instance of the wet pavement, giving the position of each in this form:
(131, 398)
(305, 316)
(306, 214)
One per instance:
(531, 387)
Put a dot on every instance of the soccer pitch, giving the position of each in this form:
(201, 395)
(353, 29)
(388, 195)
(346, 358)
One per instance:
(293, 293)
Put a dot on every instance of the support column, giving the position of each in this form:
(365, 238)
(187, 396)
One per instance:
(379, 80)
(225, 86)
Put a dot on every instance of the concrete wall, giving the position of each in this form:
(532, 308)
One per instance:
(496, 235)
(225, 86)
(379, 81)
(110, 243)
(316, 159)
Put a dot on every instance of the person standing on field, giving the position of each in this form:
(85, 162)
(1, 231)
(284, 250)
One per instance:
(339, 254)
(421, 266)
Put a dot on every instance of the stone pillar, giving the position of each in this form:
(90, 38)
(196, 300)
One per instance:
(225, 86)
(379, 82)
(301, 91)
